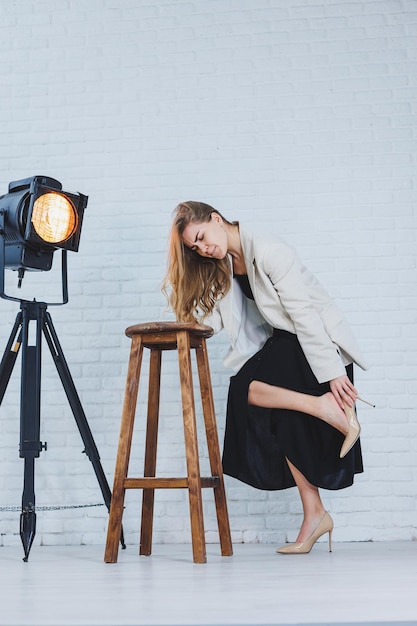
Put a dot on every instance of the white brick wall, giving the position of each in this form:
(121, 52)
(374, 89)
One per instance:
(296, 115)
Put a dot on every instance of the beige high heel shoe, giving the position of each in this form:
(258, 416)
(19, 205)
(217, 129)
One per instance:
(304, 547)
(354, 427)
(353, 432)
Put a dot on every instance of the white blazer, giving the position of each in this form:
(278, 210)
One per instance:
(289, 297)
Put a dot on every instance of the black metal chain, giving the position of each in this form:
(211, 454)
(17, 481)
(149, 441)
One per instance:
(51, 508)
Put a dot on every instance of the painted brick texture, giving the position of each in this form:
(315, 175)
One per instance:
(297, 117)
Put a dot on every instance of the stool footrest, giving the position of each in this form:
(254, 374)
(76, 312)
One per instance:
(167, 483)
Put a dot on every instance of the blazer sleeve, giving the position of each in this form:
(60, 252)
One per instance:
(301, 297)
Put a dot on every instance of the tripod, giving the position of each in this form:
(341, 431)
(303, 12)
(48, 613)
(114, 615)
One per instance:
(30, 444)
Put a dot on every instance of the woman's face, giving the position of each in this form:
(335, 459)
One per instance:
(208, 239)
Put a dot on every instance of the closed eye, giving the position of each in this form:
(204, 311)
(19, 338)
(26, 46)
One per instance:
(199, 237)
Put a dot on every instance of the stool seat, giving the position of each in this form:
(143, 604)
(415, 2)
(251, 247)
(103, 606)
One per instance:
(164, 334)
(199, 330)
(158, 337)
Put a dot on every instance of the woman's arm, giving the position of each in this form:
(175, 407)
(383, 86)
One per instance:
(301, 297)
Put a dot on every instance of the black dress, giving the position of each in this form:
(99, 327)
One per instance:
(258, 441)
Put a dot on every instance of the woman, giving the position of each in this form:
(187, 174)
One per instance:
(290, 414)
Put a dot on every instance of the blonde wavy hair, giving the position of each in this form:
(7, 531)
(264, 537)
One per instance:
(195, 283)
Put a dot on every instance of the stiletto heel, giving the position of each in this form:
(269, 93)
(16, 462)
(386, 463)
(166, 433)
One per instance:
(365, 401)
(304, 547)
(353, 432)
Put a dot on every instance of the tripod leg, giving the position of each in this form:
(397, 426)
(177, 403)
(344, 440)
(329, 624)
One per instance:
(9, 357)
(28, 515)
(30, 444)
(77, 409)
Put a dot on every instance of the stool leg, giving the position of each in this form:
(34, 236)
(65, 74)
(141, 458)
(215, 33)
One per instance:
(123, 453)
(214, 449)
(148, 495)
(191, 448)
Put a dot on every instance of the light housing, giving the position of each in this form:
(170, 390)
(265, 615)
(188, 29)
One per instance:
(37, 218)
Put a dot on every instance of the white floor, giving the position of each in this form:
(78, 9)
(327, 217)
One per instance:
(361, 583)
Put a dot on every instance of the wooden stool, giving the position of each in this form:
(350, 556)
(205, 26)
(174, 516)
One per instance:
(159, 336)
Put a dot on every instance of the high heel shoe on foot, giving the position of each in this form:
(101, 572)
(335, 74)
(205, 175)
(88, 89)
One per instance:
(303, 547)
(353, 432)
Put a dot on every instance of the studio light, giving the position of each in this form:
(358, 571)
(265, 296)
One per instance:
(37, 218)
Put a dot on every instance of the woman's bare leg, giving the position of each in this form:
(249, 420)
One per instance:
(312, 505)
(323, 407)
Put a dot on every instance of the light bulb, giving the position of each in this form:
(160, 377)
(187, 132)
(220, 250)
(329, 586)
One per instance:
(54, 218)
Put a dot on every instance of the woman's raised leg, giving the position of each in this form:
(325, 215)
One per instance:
(323, 407)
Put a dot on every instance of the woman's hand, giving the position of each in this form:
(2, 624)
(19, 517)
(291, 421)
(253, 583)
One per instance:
(343, 391)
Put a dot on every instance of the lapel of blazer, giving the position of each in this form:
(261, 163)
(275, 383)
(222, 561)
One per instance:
(249, 255)
(226, 309)
(231, 305)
